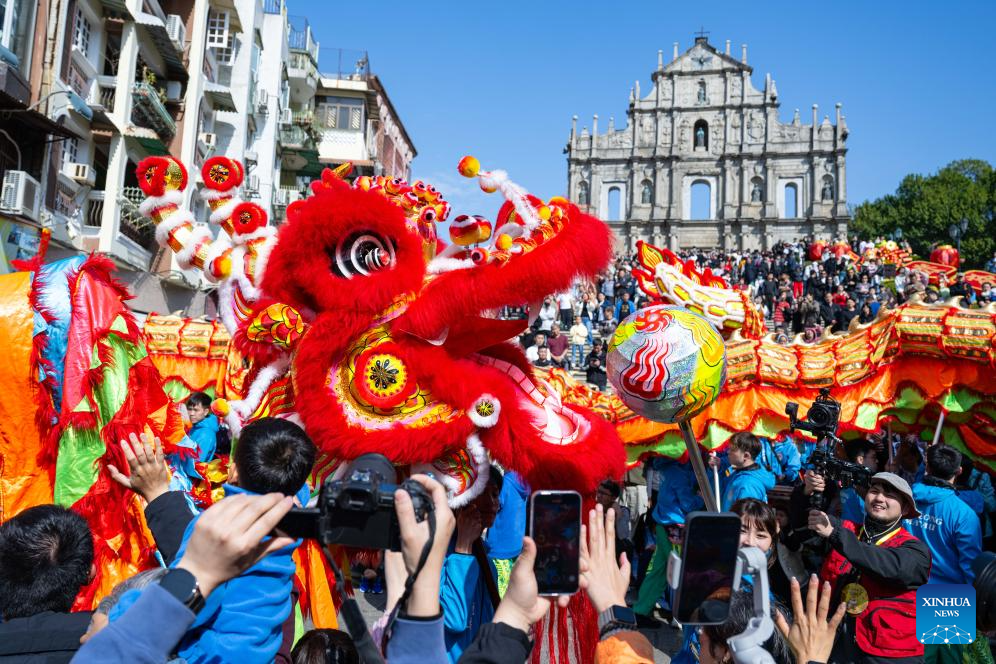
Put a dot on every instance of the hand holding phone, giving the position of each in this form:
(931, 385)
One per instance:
(555, 527)
(708, 562)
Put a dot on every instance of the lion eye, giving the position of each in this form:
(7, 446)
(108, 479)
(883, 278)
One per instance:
(363, 254)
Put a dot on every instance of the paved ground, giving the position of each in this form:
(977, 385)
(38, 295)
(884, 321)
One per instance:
(666, 640)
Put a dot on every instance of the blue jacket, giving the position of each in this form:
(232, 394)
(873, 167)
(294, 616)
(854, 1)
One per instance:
(676, 494)
(205, 434)
(504, 540)
(417, 641)
(980, 482)
(789, 459)
(144, 634)
(852, 506)
(243, 618)
(465, 602)
(951, 531)
(768, 459)
(753, 483)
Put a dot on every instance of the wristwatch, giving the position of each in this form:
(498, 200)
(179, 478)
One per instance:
(615, 619)
(182, 585)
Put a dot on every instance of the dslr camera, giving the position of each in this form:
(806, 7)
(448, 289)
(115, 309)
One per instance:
(358, 509)
(822, 418)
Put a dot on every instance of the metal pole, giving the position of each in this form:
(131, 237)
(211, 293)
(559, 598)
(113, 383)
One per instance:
(698, 467)
(937, 431)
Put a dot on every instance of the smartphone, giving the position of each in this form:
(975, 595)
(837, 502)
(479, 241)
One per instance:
(708, 561)
(555, 526)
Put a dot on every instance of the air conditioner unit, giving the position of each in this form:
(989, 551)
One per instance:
(82, 173)
(286, 116)
(21, 194)
(281, 196)
(177, 30)
(262, 98)
(252, 183)
(209, 139)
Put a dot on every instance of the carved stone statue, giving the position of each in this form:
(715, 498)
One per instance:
(757, 193)
(700, 137)
(583, 193)
(828, 189)
(647, 195)
(702, 92)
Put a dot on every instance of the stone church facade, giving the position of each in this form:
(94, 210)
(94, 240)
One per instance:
(705, 130)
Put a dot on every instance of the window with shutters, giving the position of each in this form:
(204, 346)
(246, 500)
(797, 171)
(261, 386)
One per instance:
(340, 113)
(81, 32)
(217, 29)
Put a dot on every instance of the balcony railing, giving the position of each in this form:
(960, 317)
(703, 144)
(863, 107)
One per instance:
(134, 226)
(272, 6)
(299, 37)
(102, 93)
(94, 209)
(149, 111)
(345, 64)
(294, 137)
(305, 117)
(303, 62)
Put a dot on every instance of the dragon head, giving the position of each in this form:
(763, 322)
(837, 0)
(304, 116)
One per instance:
(405, 356)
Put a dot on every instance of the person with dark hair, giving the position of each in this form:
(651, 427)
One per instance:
(46, 556)
(469, 590)
(325, 646)
(594, 365)
(973, 479)
(271, 456)
(204, 425)
(607, 495)
(748, 479)
(948, 526)
(759, 528)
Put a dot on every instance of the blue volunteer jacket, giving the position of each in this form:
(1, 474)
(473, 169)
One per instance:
(753, 482)
(242, 619)
(504, 540)
(790, 460)
(464, 599)
(676, 494)
(949, 528)
(205, 434)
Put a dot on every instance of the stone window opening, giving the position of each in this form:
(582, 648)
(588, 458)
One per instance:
(614, 199)
(647, 193)
(701, 204)
(700, 135)
(791, 201)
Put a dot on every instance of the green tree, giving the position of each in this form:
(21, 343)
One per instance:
(924, 206)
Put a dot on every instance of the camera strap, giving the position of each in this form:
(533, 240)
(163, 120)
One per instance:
(410, 582)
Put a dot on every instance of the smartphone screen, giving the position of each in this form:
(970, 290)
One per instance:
(708, 559)
(555, 526)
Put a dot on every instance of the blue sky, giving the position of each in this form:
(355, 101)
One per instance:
(501, 80)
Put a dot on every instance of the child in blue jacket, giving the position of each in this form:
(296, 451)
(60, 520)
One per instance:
(749, 480)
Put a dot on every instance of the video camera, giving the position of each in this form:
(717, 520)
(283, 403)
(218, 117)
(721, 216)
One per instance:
(358, 509)
(845, 473)
(822, 418)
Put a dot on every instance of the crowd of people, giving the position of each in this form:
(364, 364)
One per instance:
(225, 593)
(796, 295)
(843, 562)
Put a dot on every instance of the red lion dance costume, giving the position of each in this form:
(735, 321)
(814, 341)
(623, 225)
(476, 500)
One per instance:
(360, 323)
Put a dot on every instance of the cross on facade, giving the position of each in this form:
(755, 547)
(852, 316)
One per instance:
(702, 34)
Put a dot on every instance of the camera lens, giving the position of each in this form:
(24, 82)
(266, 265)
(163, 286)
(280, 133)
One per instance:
(984, 567)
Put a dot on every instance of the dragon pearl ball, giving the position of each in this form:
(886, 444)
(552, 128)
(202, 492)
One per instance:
(666, 363)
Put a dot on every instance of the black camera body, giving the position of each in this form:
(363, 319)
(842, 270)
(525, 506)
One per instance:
(358, 510)
(844, 473)
(822, 418)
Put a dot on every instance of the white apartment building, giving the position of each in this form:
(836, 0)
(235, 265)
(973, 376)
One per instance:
(116, 81)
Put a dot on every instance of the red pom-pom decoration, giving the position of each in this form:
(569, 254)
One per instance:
(157, 175)
(248, 218)
(222, 173)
